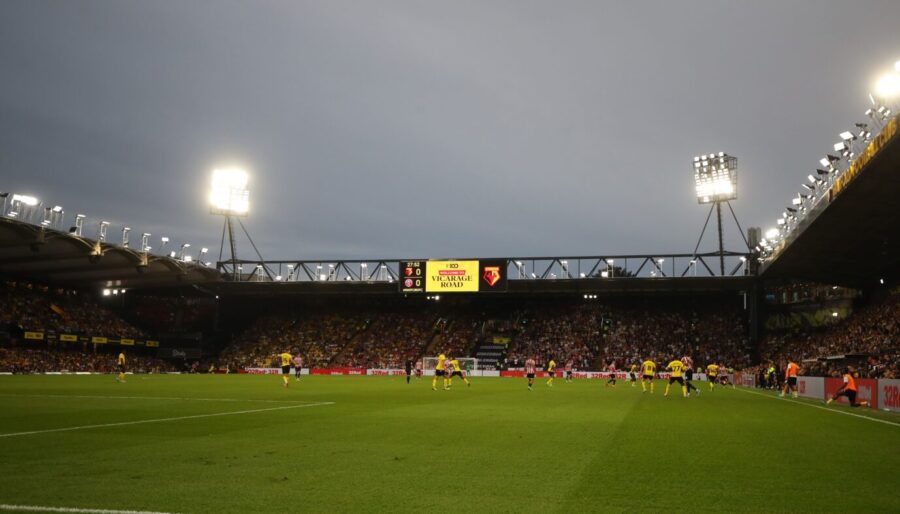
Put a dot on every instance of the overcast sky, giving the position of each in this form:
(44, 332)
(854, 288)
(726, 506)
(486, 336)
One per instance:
(430, 129)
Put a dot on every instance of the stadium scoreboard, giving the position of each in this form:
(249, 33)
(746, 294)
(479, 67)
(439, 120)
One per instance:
(412, 277)
(453, 276)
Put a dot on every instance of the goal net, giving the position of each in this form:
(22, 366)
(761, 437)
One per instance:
(467, 364)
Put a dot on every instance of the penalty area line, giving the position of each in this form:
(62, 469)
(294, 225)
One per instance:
(163, 420)
(36, 508)
(826, 409)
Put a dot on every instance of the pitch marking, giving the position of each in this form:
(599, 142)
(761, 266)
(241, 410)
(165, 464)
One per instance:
(162, 420)
(117, 397)
(35, 508)
(797, 401)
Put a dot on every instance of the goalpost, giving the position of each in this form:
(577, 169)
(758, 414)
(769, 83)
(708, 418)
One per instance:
(468, 364)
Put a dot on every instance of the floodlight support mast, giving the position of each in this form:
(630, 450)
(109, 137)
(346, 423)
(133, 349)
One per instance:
(717, 206)
(721, 239)
(228, 228)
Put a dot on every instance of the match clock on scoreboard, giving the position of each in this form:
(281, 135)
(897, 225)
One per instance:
(412, 276)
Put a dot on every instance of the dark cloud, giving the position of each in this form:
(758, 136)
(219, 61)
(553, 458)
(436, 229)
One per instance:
(435, 129)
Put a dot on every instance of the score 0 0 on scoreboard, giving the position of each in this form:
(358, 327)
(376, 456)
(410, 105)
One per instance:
(412, 276)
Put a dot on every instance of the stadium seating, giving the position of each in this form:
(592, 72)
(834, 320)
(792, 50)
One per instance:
(28, 307)
(873, 331)
(590, 333)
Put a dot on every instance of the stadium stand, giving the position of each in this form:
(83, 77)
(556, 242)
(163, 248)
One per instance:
(26, 307)
(55, 359)
(590, 334)
(871, 335)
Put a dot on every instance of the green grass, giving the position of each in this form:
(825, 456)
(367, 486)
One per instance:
(383, 445)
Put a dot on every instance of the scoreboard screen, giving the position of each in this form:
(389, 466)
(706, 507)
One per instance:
(412, 276)
(456, 276)
(451, 277)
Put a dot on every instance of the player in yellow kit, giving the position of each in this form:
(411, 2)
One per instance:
(712, 373)
(439, 372)
(120, 363)
(285, 367)
(551, 371)
(456, 372)
(632, 374)
(677, 369)
(648, 369)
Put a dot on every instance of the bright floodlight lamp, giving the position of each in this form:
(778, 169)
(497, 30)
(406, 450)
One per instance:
(30, 201)
(228, 194)
(888, 86)
(715, 177)
(772, 233)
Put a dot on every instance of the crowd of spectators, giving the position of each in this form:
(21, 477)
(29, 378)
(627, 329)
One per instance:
(379, 338)
(26, 307)
(389, 340)
(595, 335)
(590, 334)
(42, 360)
(318, 337)
(562, 333)
(709, 334)
(870, 338)
(458, 334)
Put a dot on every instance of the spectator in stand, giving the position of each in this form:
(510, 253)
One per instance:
(873, 332)
(30, 308)
(43, 360)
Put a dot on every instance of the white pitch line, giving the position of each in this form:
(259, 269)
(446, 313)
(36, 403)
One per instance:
(161, 420)
(822, 408)
(36, 508)
(117, 397)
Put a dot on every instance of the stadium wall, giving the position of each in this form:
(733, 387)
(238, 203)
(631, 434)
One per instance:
(811, 387)
(889, 394)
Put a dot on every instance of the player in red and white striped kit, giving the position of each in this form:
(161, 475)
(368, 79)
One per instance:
(689, 374)
(419, 368)
(569, 364)
(298, 367)
(612, 374)
(529, 371)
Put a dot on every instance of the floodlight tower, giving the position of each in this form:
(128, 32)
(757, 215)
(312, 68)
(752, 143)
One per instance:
(229, 197)
(715, 180)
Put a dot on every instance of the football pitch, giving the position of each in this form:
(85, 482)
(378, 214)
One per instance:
(241, 443)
